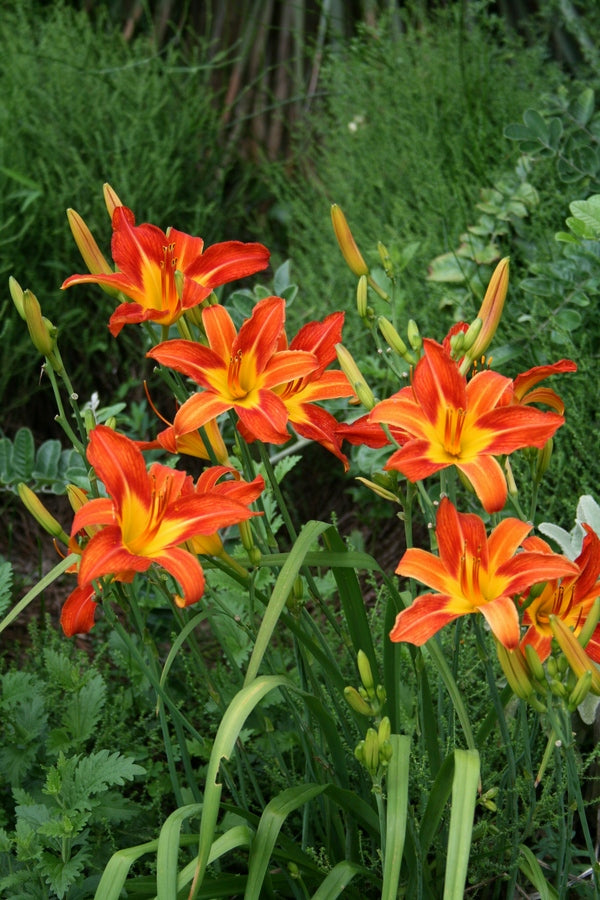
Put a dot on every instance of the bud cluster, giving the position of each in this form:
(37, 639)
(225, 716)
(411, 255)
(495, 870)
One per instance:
(375, 750)
(568, 674)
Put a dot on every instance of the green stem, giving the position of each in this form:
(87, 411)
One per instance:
(510, 758)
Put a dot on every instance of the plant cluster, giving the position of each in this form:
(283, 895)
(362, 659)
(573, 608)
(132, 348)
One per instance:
(309, 782)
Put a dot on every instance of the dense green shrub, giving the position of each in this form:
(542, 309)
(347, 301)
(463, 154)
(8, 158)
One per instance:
(80, 107)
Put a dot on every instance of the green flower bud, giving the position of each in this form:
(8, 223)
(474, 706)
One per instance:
(414, 336)
(358, 703)
(361, 296)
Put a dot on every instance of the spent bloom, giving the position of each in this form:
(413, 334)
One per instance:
(473, 573)
(146, 518)
(148, 260)
(451, 421)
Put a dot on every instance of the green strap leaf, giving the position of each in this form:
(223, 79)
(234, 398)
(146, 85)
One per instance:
(464, 793)
(396, 815)
(271, 821)
(532, 870)
(337, 880)
(231, 724)
(281, 592)
(168, 850)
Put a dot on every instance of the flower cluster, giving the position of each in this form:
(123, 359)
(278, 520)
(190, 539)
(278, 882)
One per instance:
(455, 414)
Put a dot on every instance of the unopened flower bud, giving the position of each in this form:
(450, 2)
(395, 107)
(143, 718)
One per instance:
(534, 663)
(544, 456)
(490, 314)
(179, 279)
(576, 656)
(39, 512)
(361, 296)
(371, 752)
(39, 330)
(16, 292)
(471, 334)
(359, 752)
(346, 242)
(393, 340)
(380, 694)
(384, 730)
(358, 703)
(386, 260)
(580, 691)
(89, 249)
(589, 626)
(414, 335)
(354, 376)
(364, 670)
(386, 751)
(111, 200)
(378, 489)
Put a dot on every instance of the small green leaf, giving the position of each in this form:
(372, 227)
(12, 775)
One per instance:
(582, 108)
(537, 125)
(47, 460)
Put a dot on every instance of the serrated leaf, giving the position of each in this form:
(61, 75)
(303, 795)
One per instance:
(84, 709)
(98, 771)
(61, 875)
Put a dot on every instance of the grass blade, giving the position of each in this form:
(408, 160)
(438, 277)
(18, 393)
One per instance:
(396, 815)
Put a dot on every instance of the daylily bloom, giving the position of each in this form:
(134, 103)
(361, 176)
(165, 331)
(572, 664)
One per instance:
(239, 371)
(145, 519)
(569, 598)
(452, 421)
(525, 392)
(214, 482)
(148, 259)
(299, 395)
(473, 573)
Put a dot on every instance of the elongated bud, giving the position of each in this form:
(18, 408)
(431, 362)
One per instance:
(580, 691)
(354, 376)
(364, 670)
(111, 200)
(471, 334)
(179, 279)
(590, 623)
(247, 536)
(371, 752)
(490, 313)
(16, 292)
(361, 296)
(534, 663)
(384, 730)
(39, 331)
(77, 496)
(358, 703)
(544, 455)
(393, 340)
(576, 656)
(39, 512)
(414, 335)
(515, 668)
(89, 249)
(386, 260)
(346, 242)
(378, 489)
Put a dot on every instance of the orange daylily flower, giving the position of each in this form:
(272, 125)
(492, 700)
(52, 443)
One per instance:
(452, 421)
(299, 395)
(569, 598)
(145, 519)
(147, 259)
(214, 482)
(525, 391)
(473, 573)
(238, 371)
